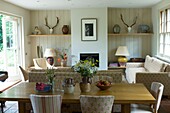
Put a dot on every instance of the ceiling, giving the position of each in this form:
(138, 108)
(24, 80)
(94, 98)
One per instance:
(69, 4)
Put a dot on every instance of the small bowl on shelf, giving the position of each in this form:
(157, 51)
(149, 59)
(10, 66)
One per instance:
(103, 84)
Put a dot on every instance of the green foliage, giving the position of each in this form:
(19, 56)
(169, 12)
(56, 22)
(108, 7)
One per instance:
(86, 68)
(50, 75)
(9, 31)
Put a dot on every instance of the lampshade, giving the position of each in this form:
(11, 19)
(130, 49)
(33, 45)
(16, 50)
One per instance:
(122, 51)
(50, 52)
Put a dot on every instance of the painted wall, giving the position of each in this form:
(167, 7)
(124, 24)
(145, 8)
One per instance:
(25, 15)
(99, 46)
(155, 19)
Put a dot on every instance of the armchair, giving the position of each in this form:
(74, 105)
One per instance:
(3, 75)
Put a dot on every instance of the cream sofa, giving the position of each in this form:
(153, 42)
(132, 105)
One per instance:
(151, 70)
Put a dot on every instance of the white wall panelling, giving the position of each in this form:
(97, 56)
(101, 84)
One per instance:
(50, 41)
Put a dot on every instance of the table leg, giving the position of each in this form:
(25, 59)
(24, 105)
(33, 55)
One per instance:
(22, 107)
(125, 108)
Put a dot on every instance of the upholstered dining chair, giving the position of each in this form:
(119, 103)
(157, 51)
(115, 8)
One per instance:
(46, 103)
(156, 91)
(96, 104)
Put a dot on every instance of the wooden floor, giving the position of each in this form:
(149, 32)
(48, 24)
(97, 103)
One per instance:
(12, 107)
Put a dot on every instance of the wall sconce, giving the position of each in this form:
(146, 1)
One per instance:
(122, 52)
(50, 53)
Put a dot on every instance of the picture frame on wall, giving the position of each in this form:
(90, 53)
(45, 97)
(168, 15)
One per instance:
(88, 30)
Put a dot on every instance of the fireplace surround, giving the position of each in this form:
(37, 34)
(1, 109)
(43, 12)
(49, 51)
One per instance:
(95, 56)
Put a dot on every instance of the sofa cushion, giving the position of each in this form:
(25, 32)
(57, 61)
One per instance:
(148, 61)
(131, 74)
(153, 64)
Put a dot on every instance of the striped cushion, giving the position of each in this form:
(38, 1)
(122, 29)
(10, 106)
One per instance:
(46, 103)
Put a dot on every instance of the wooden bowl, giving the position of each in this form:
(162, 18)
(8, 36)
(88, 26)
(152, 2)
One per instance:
(104, 87)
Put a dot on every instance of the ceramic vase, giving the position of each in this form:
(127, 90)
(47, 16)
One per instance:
(85, 87)
(65, 29)
(63, 63)
(68, 88)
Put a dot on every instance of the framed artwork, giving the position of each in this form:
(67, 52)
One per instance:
(88, 29)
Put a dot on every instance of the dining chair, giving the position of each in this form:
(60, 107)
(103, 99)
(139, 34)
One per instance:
(46, 103)
(96, 104)
(24, 73)
(156, 91)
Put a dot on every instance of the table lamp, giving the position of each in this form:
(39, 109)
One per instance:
(122, 52)
(50, 53)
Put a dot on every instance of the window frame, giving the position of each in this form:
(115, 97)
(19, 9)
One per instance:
(164, 33)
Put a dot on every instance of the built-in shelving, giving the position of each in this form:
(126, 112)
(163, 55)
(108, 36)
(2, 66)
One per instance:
(50, 35)
(129, 34)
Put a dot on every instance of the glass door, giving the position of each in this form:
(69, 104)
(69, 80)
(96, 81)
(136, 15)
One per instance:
(9, 52)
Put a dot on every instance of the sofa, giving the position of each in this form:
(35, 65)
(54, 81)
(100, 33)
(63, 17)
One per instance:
(118, 77)
(151, 70)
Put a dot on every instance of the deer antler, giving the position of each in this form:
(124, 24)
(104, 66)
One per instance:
(56, 23)
(134, 22)
(123, 20)
(125, 23)
(46, 23)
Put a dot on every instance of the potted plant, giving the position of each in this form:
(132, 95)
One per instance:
(50, 75)
(87, 69)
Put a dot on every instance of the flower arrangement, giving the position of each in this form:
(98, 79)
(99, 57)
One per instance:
(62, 54)
(86, 68)
(50, 75)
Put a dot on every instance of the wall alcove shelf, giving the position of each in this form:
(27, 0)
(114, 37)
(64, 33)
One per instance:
(130, 34)
(50, 35)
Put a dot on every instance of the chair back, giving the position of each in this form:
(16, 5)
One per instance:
(46, 103)
(3, 75)
(96, 104)
(24, 73)
(157, 91)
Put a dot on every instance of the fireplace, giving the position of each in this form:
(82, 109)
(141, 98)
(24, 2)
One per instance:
(95, 56)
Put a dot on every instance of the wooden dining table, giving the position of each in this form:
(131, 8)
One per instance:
(125, 94)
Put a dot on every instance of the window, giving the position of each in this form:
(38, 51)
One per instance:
(164, 34)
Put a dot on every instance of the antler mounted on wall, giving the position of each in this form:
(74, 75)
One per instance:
(129, 27)
(51, 28)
